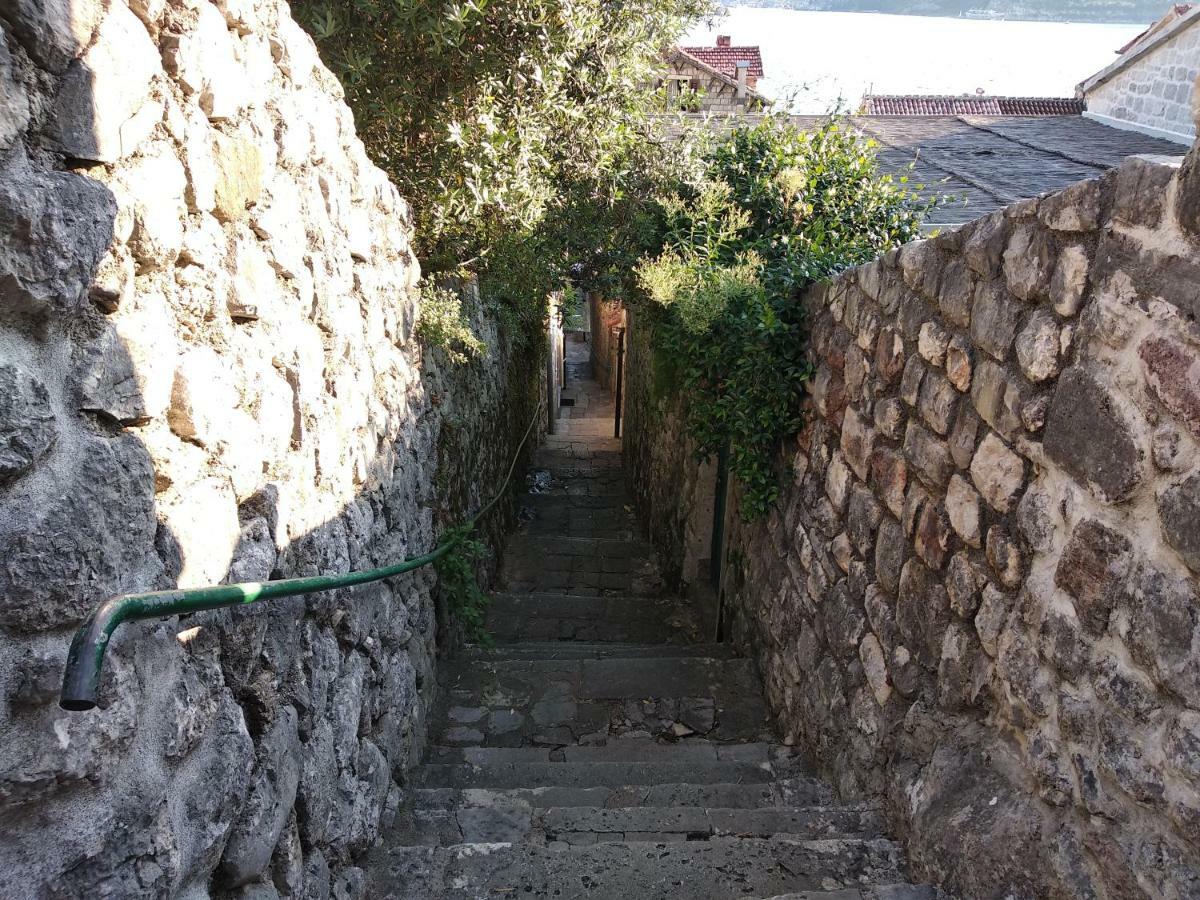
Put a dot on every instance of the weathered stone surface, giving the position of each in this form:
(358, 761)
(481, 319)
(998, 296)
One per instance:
(204, 64)
(268, 804)
(938, 402)
(984, 248)
(27, 425)
(1068, 286)
(1005, 557)
(1038, 347)
(932, 343)
(858, 440)
(874, 665)
(239, 174)
(54, 230)
(928, 454)
(1088, 436)
(1027, 263)
(1179, 513)
(998, 473)
(103, 111)
(889, 418)
(910, 382)
(922, 611)
(891, 550)
(997, 400)
(1140, 194)
(994, 319)
(14, 101)
(1092, 569)
(959, 363)
(1075, 209)
(889, 475)
(53, 32)
(1173, 374)
(956, 294)
(964, 581)
(963, 510)
(932, 536)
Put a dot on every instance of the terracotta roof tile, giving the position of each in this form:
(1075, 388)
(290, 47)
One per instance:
(725, 59)
(915, 105)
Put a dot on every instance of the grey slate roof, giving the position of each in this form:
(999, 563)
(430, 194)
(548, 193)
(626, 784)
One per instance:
(989, 162)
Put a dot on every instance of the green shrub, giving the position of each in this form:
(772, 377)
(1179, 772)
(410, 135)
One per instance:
(443, 323)
(779, 209)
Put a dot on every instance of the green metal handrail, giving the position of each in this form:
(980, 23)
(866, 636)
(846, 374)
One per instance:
(85, 660)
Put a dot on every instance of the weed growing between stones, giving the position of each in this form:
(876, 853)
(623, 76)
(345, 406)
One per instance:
(459, 585)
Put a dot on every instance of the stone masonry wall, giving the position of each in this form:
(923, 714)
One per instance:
(1156, 90)
(208, 373)
(978, 595)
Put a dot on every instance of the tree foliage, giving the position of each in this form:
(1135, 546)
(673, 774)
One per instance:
(778, 209)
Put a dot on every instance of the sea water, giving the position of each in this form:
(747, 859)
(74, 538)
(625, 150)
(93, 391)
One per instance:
(821, 59)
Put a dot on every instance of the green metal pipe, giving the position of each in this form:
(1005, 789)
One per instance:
(85, 659)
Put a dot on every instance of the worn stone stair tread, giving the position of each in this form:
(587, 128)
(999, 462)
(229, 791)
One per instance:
(796, 790)
(590, 824)
(590, 618)
(619, 750)
(876, 892)
(723, 867)
(590, 774)
(535, 650)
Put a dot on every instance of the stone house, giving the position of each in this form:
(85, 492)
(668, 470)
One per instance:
(1150, 86)
(723, 78)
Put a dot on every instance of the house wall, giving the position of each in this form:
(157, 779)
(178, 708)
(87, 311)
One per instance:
(1156, 91)
(977, 597)
(208, 374)
(719, 96)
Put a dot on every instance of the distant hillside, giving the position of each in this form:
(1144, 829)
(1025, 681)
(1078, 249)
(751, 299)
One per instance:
(1141, 11)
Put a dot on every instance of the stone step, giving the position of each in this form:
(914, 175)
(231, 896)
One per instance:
(547, 617)
(797, 790)
(703, 870)
(589, 824)
(578, 516)
(622, 750)
(537, 650)
(512, 703)
(506, 776)
(588, 566)
(878, 892)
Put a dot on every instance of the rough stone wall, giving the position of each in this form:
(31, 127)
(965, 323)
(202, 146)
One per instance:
(208, 373)
(605, 315)
(1156, 91)
(978, 595)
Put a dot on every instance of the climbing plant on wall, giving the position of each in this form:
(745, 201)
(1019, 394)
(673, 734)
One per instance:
(778, 209)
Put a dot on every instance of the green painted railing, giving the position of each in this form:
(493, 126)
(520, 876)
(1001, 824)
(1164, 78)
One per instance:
(85, 660)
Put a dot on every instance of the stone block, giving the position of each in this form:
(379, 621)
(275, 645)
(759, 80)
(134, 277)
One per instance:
(1028, 263)
(921, 266)
(1063, 644)
(201, 398)
(1068, 285)
(239, 182)
(891, 550)
(910, 383)
(932, 343)
(54, 32)
(993, 397)
(1092, 569)
(963, 669)
(994, 319)
(1179, 516)
(889, 355)
(938, 402)
(863, 520)
(889, 475)
(963, 436)
(1187, 206)
(964, 581)
(155, 184)
(1141, 191)
(928, 454)
(998, 472)
(857, 442)
(959, 363)
(922, 612)
(1037, 519)
(889, 417)
(1148, 271)
(956, 294)
(828, 392)
(1090, 437)
(1075, 209)
(992, 618)
(983, 249)
(55, 227)
(1166, 448)
(1038, 347)
(1172, 372)
(28, 428)
(205, 65)
(1005, 557)
(963, 510)
(933, 536)
(874, 663)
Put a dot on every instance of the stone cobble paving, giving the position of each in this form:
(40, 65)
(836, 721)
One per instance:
(598, 748)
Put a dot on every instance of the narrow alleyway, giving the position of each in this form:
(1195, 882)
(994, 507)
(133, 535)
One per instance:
(600, 749)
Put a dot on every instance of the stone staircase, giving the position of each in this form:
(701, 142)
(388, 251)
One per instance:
(600, 749)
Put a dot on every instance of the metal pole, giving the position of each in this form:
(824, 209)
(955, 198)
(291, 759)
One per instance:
(620, 379)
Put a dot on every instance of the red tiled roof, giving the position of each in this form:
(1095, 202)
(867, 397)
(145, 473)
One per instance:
(725, 59)
(1178, 10)
(912, 105)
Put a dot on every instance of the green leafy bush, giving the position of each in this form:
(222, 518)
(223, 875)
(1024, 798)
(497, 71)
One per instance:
(443, 323)
(779, 209)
